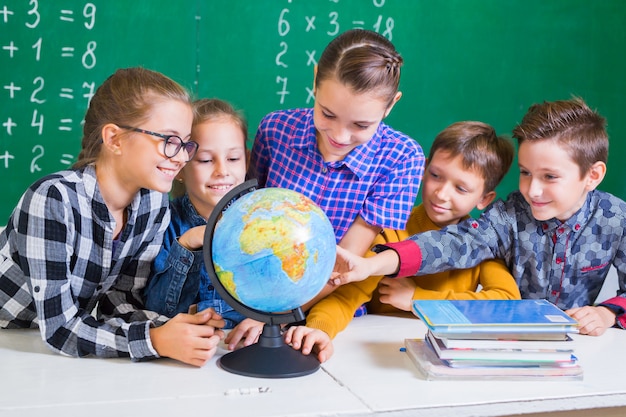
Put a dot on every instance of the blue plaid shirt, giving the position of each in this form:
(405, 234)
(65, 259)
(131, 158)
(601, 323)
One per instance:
(58, 260)
(378, 180)
(564, 262)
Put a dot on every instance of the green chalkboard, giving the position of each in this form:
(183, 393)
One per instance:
(485, 60)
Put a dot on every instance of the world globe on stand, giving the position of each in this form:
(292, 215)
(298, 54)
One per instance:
(274, 249)
(267, 252)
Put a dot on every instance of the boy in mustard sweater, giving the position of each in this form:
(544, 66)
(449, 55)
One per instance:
(467, 161)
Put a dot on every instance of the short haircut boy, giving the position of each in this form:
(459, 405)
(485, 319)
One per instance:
(571, 123)
(480, 147)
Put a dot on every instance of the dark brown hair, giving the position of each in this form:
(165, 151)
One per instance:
(362, 60)
(480, 147)
(573, 125)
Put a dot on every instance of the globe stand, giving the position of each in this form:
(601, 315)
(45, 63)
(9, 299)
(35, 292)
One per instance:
(270, 357)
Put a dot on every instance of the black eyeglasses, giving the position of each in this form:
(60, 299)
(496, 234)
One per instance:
(173, 144)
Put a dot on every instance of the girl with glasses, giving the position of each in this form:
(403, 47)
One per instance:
(83, 240)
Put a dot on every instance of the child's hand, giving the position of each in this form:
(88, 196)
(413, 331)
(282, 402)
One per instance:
(348, 267)
(249, 330)
(191, 339)
(212, 318)
(193, 239)
(397, 292)
(310, 340)
(592, 320)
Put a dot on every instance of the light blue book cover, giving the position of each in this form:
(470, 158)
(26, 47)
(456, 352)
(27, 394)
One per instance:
(493, 315)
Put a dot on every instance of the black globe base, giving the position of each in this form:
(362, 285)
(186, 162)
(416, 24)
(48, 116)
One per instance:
(270, 357)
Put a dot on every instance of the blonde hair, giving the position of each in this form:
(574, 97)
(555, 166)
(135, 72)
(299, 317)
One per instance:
(125, 98)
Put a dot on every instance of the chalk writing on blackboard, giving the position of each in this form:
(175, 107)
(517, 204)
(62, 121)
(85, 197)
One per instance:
(43, 102)
(332, 23)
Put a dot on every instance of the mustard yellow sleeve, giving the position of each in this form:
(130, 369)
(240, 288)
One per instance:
(497, 282)
(491, 280)
(334, 312)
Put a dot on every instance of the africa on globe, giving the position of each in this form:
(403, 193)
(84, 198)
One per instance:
(273, 249)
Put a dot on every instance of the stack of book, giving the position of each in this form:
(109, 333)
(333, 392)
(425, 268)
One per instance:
(494, 339)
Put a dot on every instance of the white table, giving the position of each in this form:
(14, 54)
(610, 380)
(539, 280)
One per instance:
(367, 376)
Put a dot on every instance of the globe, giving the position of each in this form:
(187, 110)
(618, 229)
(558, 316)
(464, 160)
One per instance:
(273, 249)
(267, 252)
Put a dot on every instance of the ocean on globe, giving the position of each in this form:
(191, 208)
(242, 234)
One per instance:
(273, 249)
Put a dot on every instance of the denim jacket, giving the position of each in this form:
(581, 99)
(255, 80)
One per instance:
(179, 278)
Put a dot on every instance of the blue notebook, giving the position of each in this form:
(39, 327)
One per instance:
(503, 318)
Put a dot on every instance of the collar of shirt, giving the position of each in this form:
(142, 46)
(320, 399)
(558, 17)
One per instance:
(92, 188)
(99, 207)
(573, 223)
(189, 211)
(357, 161)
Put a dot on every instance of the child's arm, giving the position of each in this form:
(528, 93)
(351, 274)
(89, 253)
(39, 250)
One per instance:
(68, 271)
(193, 239)
(175, 274)
(191, 339)
(615, 306)
(123, 302)
(496, 281)
(399, 165)
(359, 237)
(350, 267)
(490, 280)
(400, 292)
(333, 313)
(460, 246)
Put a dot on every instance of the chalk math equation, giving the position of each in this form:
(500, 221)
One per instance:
(45, 49)
(299, 28)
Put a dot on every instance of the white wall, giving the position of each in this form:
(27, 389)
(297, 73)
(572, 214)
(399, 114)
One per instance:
(609, 288)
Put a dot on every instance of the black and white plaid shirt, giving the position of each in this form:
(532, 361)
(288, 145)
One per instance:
(58, 260)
